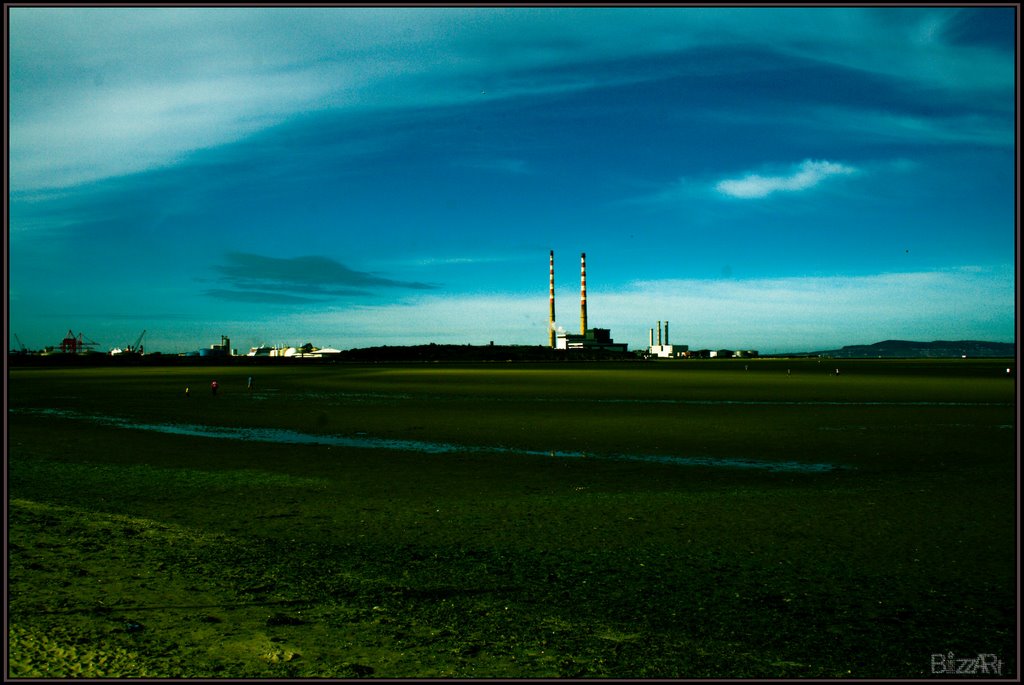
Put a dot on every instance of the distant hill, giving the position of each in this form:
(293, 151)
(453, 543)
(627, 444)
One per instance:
(910, 349)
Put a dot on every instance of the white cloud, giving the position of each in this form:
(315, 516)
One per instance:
(804, 177)
(806, 313)
(769, 314)
(97, 92)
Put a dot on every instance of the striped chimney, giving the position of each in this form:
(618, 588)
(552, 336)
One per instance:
(659, 334)
(551, 303)
(583, 293)
(666, 333)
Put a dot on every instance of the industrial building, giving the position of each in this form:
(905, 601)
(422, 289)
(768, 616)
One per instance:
(215, 350)
(592, 339)
(666, 350)
(306, 351)
(588, 338)
(732, 354)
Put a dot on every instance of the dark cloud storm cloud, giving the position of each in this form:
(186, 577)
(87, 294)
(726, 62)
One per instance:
(296, 280)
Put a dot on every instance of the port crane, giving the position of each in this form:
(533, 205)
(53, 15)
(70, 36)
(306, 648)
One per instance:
(71, 345)
(137, 347)
(21, 345)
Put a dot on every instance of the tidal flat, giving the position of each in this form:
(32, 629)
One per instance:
(532, 545)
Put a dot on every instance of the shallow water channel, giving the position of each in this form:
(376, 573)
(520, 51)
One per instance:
(361, 441)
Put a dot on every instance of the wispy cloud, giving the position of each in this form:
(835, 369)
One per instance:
(813, 312)
(434, 261)
(768, 314)
(499, 165)
(805, 176)
(867, 124)
(100, 92)
(298, 280)
(259, 297)
(976, 128)
(771, 315)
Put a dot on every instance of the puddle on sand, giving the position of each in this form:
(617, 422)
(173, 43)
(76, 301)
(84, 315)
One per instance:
(279, 435)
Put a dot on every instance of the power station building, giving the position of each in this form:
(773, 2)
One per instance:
(588, 338)
(592, 339)
(665, 349)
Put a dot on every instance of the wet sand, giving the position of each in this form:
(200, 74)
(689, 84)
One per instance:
(140, 553)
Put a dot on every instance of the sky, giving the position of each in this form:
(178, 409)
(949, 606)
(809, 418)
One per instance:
(767, 178)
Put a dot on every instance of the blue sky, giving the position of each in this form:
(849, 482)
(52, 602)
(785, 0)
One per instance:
(780, 179)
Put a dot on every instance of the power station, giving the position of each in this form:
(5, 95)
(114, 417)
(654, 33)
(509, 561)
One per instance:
(588, 338)
(666, 349)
